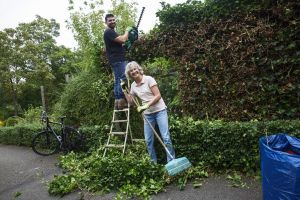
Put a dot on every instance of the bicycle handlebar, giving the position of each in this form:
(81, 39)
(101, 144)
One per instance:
(45, 118)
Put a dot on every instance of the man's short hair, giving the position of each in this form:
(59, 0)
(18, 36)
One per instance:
(108, 16)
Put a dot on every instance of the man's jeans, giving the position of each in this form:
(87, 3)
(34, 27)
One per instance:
(161, 119)
(119, 73)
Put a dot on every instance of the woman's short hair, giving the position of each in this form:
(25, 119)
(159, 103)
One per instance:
(130, 65)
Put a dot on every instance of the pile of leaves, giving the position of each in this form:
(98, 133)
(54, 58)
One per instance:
(127, 175)
(138, 177)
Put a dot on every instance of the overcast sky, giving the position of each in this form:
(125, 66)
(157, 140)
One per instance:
(13, 12)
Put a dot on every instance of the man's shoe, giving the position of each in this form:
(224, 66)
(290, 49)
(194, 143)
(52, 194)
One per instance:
(122, 104)
(116, 105)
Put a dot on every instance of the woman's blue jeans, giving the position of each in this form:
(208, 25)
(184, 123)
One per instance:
(161, 119)
(119, 73)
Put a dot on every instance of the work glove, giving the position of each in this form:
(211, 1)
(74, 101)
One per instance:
(128, 29)
(133, 35)
(142, 108)
(123, 86)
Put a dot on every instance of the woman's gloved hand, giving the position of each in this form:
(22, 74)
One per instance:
(142, 108)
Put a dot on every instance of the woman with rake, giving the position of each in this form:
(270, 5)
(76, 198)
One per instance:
(153, 108)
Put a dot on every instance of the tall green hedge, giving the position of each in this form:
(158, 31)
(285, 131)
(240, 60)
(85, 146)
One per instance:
(241, 66)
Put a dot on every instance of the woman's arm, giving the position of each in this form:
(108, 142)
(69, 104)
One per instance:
(154, 89)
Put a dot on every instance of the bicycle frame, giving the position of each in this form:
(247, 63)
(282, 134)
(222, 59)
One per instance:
(60, 137)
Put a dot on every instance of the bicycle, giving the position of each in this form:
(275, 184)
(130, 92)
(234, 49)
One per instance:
(48, 142)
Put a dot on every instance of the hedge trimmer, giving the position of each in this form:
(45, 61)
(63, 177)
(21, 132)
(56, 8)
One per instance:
(133, 34)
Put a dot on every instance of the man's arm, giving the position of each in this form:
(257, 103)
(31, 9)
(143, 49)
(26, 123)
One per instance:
(111, 35)
(122, 38)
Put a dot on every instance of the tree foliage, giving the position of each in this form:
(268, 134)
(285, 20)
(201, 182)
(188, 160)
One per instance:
(29, 59)
(87, 98)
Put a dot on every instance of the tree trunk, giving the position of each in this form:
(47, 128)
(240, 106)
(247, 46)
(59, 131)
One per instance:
(14, 96)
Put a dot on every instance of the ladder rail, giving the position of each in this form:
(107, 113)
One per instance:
(109, 135)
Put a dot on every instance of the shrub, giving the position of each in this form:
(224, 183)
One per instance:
(18, 134)
(32, 115)
(87, 99)
(225, 145)
(12, 121)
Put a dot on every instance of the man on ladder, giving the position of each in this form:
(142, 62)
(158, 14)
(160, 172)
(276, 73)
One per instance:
(115, 51)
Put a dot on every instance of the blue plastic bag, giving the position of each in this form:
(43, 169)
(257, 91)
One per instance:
(280, 167)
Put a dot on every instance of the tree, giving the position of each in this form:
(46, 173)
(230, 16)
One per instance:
(30, 58)
(11, 65)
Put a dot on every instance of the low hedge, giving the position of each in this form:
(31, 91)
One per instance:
(23, 134)
(226, 145)
(219, 144)
(18, 135)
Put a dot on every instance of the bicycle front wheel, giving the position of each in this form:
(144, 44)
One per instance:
(45, 143)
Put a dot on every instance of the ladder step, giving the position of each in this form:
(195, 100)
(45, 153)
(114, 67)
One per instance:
(124, 110)
(122, 120)
(118, 133)
(138, 140)
(114, 146)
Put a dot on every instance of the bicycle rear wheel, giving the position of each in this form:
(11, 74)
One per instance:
(73, 139)
(45, 143)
